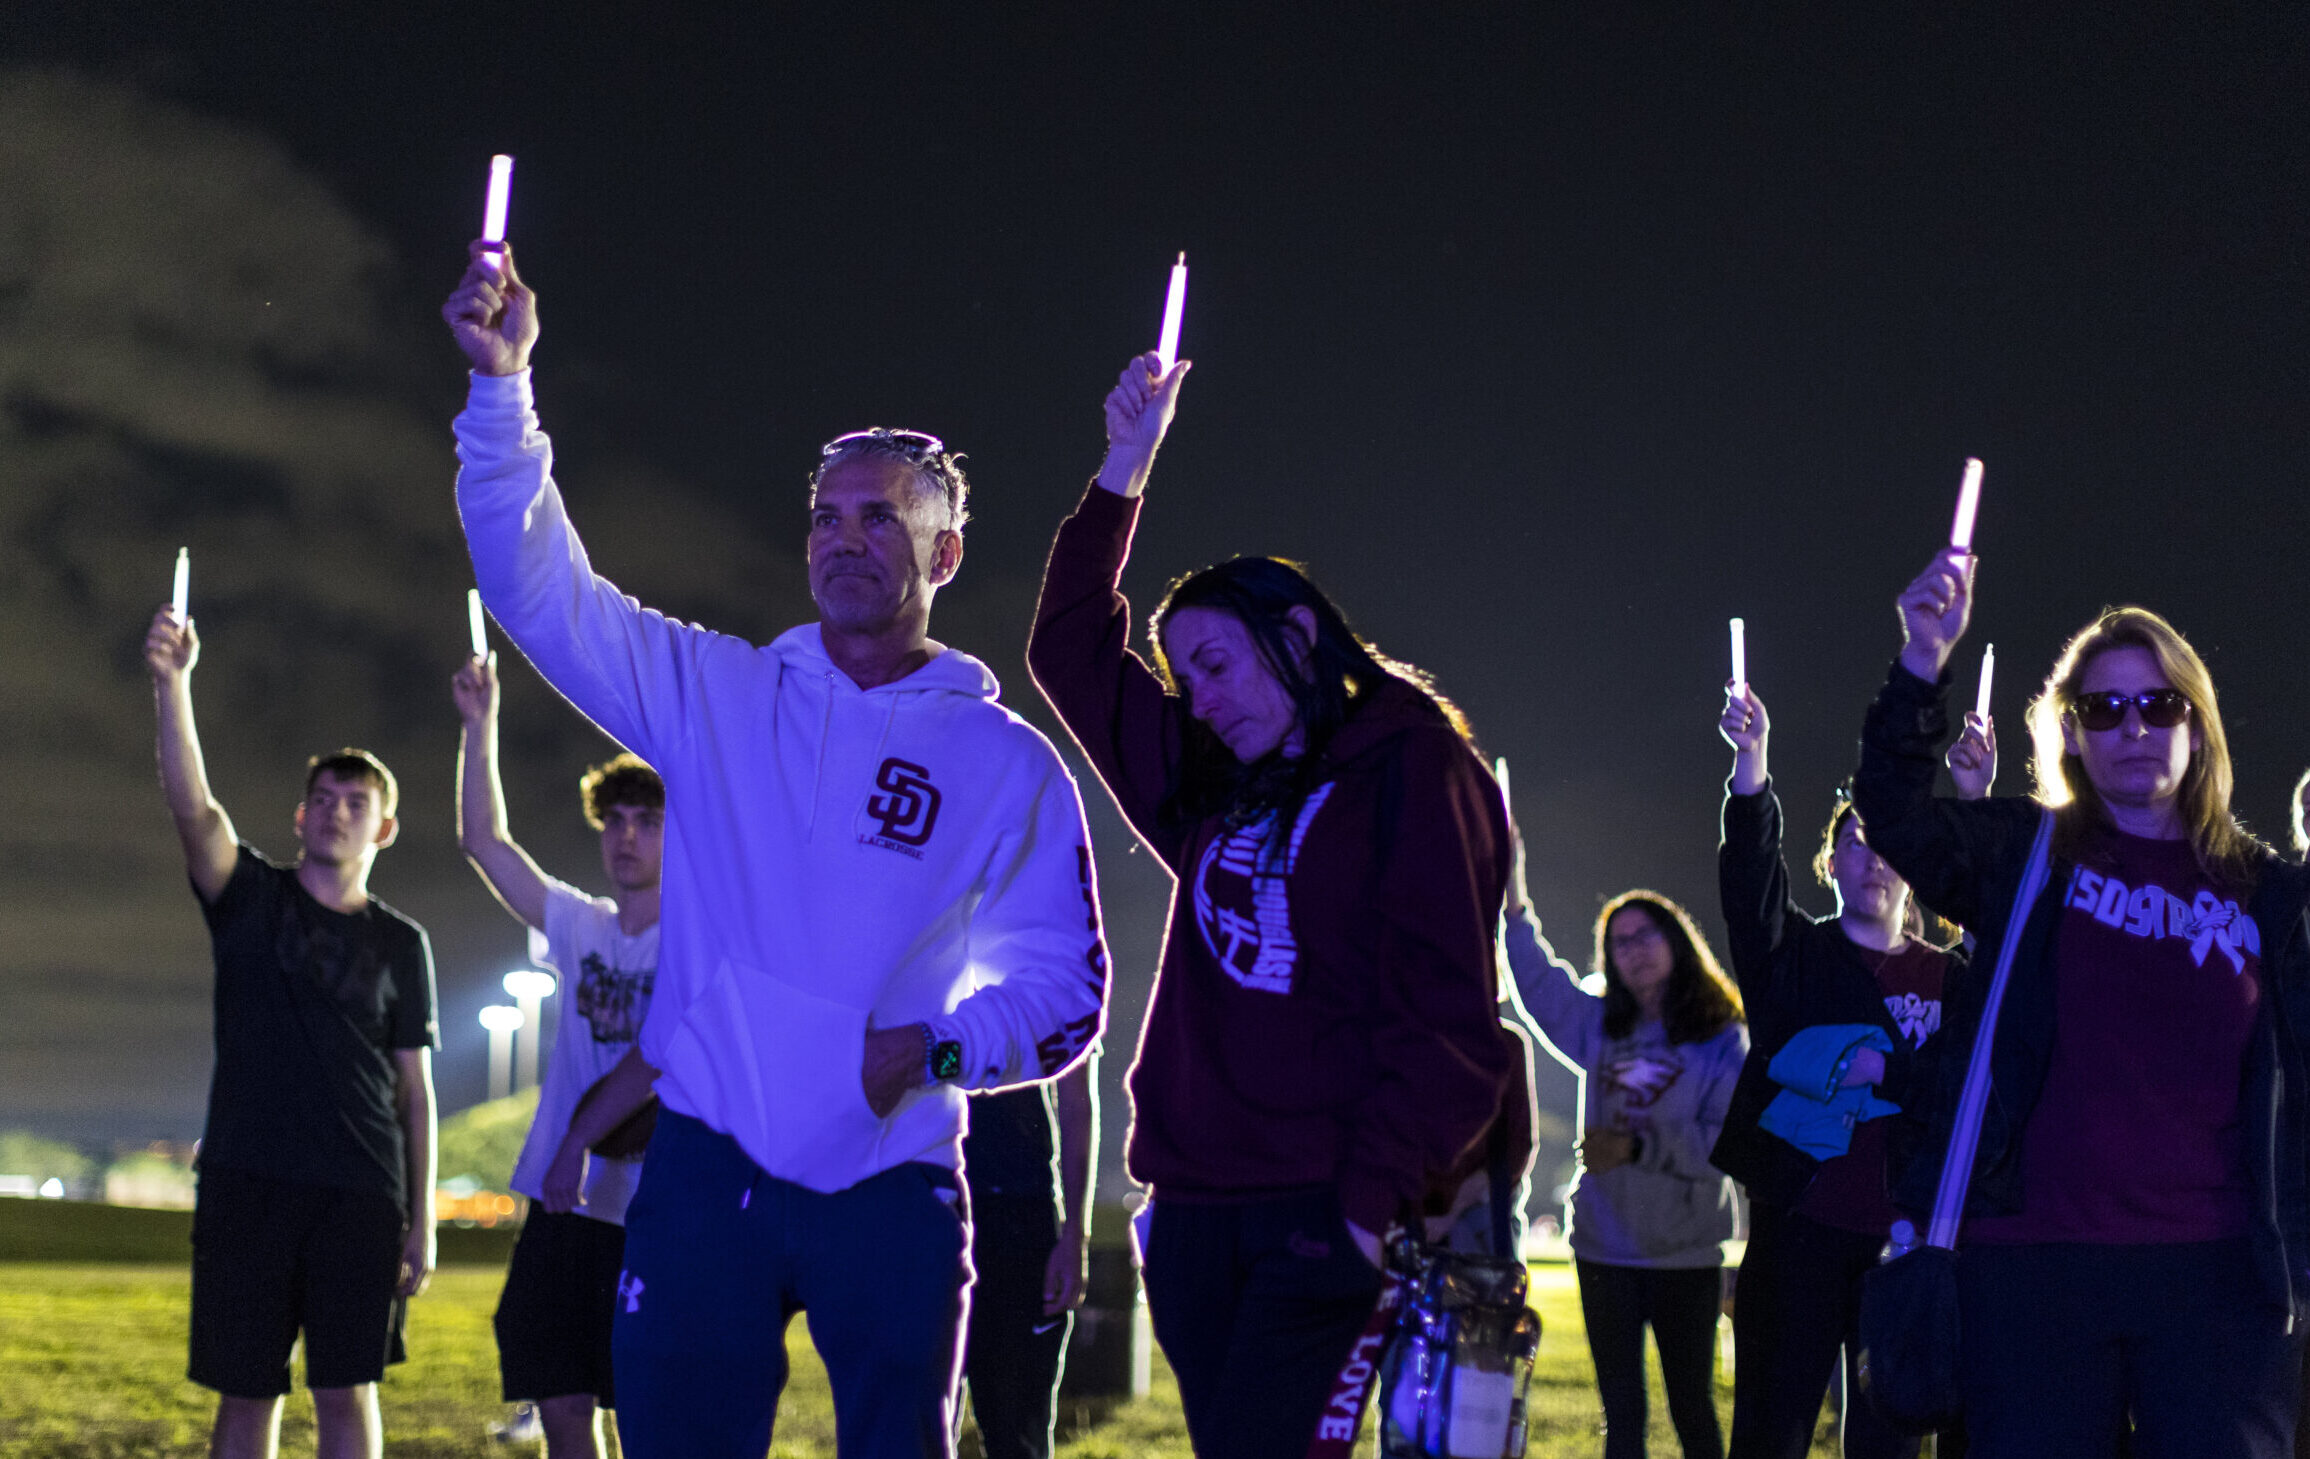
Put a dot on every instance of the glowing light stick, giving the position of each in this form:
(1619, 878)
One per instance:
(500, 188)
(1174, 304)
(1988, 674)
(475, 623)
(1500, 774)
(1740, 651)
(1968, 503)
(181, 598)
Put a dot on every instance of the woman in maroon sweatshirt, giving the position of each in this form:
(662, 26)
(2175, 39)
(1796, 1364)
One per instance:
(1322, 1053)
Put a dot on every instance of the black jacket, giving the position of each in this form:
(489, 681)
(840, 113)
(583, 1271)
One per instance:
(1966, 859)
(1795, 972)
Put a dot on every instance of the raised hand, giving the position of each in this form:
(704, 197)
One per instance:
(171, 646)
(1972, 760)
(1935, 608)
(1748, 729)
(474, 687)
(493, 313)
(1744, 724)
(1139, 411)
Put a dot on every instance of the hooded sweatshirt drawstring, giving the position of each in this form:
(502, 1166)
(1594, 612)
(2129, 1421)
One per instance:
(818, 771)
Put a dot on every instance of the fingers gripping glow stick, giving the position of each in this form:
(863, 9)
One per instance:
(1174, 304)
(475, 623)
(1968, 503)
(500, 189)
(1988, 674)
(181, 598)
(1740, 656)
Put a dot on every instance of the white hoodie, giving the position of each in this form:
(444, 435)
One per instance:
(909, 853)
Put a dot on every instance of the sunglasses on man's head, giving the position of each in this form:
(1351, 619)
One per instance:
(2161, 708)
(918, 445)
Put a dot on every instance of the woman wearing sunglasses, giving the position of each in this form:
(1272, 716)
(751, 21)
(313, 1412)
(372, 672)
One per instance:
(1322, 1052)
(2138, 1225)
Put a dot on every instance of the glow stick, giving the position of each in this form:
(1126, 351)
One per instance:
(1740, 647)
(1174, 304)
(500, 188)
(1968, 503)
(1500, 774)
(473, 621)
(1988, 673)
(181, 598)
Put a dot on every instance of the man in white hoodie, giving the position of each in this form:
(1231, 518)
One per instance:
(878, 895)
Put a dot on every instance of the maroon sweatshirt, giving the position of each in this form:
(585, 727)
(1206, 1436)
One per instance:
(1333, 1025)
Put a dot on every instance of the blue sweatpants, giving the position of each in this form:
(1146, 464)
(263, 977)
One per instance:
(720, 1256)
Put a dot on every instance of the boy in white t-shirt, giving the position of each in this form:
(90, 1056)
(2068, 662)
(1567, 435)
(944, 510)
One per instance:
(553, 1321)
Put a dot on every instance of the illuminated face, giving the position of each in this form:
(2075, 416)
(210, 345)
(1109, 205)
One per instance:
(343, 821)
(1866, 886)
(2134, 764)
(879, 545)
(1639, 951)
(1228, 685)
(633, 846)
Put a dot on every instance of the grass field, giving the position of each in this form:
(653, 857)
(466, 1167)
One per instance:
(92, 1362)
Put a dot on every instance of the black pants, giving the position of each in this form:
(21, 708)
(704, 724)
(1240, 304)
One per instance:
(1797, 1305)
(1258, 1305)
(1681, 1307)
(2063, 1342)
(1013, 1353)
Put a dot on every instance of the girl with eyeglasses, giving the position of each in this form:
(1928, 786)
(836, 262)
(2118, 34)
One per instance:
(1322, 1059)
(1657, 1050)
(1844, 1020)
(2137, 1231)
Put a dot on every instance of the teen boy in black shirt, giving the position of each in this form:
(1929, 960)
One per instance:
(315, 1211)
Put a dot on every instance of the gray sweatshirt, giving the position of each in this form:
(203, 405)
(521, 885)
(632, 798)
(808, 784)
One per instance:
(1670, 1208)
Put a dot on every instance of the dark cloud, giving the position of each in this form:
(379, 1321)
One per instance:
(195, 348)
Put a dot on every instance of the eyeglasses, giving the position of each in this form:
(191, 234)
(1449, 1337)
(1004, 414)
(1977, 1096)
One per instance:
(2161, 708)
(917, 445)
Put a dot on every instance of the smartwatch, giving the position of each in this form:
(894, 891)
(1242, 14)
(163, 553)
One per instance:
(942, 1059)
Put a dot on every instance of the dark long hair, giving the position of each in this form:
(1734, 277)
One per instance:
(1342, 671)
(1700, 1001)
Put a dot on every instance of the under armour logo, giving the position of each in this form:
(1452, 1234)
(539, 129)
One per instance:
(905, 816)
(630, 1291)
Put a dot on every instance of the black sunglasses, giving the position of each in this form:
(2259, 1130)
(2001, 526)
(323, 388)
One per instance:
(2161, 708)
(917, 445)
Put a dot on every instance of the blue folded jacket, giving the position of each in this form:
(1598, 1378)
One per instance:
(1811, 1112)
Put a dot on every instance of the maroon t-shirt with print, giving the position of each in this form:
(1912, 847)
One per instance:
(2136, 1137)
(1848, 1191)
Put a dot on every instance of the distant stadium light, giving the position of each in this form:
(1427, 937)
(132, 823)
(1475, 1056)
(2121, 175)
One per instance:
(52, 1188)
(528, 987)
(529, 983)
(501, 1022)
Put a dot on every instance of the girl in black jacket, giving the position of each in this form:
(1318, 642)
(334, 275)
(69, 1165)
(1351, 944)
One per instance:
(1817, 1217)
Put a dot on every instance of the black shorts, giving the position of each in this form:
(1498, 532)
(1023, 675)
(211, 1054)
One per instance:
(272, 1258)
(553, 1321)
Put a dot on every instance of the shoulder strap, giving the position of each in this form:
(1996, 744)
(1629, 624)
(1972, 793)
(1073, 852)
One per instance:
(1965, 1134)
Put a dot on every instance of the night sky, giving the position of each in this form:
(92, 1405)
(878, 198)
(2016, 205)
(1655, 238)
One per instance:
(1548, 336)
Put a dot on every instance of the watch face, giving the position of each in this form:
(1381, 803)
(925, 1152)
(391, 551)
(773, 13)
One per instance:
(946, 1060)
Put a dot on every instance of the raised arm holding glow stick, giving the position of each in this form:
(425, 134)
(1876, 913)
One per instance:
(1174, 304)
(500, 190)
(1988, 674)
(476, 624)
(1740, 656)
(181, 597)
(1968, 503)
